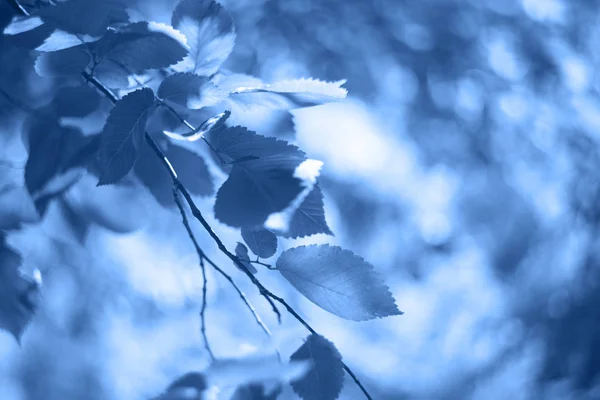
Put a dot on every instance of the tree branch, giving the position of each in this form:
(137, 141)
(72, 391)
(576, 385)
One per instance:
(198, 215)
(190, 233)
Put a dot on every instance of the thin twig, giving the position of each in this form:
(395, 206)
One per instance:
(198, 215)
(190, 233)
(258, 262)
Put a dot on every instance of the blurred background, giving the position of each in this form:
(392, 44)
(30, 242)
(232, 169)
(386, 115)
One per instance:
(463, 166)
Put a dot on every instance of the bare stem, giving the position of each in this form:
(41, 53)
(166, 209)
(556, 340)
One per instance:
(190, 233)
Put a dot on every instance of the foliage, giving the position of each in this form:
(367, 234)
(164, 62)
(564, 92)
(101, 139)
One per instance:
(145, 69)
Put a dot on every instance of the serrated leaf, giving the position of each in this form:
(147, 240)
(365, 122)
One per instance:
(189, 90)
(76, 101)
(16, 207)
(309, 218)
(191, 170)
(262, 185)
(287, 95)
(338, 281)
(19, 295)
(261, 241)
(62, 63)
(123, 135)
(241, 252)
(210, 34)
(325, 378)
(90, 17)
(139, 47)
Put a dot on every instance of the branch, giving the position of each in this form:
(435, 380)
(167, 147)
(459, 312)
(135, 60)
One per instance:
(190, 233)
(198, 215)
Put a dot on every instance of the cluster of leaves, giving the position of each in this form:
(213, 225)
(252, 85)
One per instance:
(271, 189)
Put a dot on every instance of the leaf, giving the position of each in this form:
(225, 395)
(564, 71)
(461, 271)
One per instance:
(22, 24)
(261, 186)
(19, 295)
(16, 207)
(191, 170)
(338, 281)
(76, 101)
(60, 40)
(325, 378)
(123, 135)
(241, 252)
(189, 386)
(210, 34)
(214, 123)
(255, 391)
(309, 218)
(90, 17)
(62, 63)
(140, 47)
(287, 95)
(190, 91)
(120, 208)
(262, 242)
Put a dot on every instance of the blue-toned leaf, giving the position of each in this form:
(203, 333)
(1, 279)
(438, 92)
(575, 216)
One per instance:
(19, 294)
(261, 241)
(76, 101)
(241, 252)
(123, 135)
(338, 281)
(90, 17)
(16, 207)
(210, 34)
(60, 40)
(140, 47)
(212, 124)
(286, 95)
(325, 378)
(309, 218)
(188, 386)
(262, 184)
(62, 63)
(190, 91)
(256, 391)
(191, 170)
(20, 25)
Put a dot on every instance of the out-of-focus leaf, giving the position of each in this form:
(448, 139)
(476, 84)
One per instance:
(62, 63)
(210, 34)
(191, 170)
(19, 295)
(309, 218)
(255, 391)
(338, 281)
(241, 252)
(139, 47)
(76, 101)
(261, 241)
(214, 123)
(90, 17)
(16, 207)
(187, 387)
(255, 369)
(189, 90)
(261, 186)
(123, 135)
(120, 208)
(325, 378)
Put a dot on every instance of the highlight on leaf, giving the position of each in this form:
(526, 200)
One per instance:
(338, 281)
(213, 123)
(210, 34)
